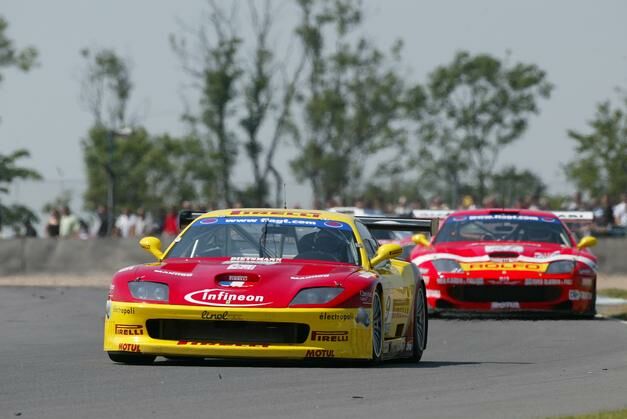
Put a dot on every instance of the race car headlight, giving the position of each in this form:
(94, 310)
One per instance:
(146, 290)
(320, 295)
(561, 267)
(447, 266)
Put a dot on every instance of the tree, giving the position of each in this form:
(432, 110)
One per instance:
(216, 69)
(601, 163)
(241, 96)
(351, 100)
(475, 106)
(512, 184)
(10, 171)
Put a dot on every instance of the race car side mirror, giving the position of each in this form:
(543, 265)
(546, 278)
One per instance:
(152, 245)
(385, 252)
(587, 241)
(421, 240)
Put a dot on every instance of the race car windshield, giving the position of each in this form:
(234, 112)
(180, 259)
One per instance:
(503, 227)
(285, 238)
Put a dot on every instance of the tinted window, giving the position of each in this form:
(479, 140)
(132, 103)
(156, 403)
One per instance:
(289, 238)
(503, 227)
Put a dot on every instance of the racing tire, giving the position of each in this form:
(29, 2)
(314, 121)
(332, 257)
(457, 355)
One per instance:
(421, 324)
(377, 328)
(132, 359)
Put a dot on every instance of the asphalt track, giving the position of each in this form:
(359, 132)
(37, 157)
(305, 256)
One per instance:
(52, 366)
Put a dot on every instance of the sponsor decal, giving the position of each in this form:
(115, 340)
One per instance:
(504, 217)
(237, 281)
(129, 329)
(333, 224)
(329, 336)
(208, 315)
(434, 294)
(320, 353)
(208, 221)
(387, 317)
(401, 308)
(337, 316)
(241, 267)
(504, 248)
(301, 277)
(245, 345)
(263, 261)
(365, 296)
(541, 281)
(424, 271)
(174, 273)
(453, 281)
(474, 281)
(504, 304)
(221, 298)
(545, 255)
(586, 282)
(124, 310)
(286, 213)
(129, 347)
(576, 295)
(504, 266)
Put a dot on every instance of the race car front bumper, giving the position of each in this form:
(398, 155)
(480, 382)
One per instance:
(212, 332)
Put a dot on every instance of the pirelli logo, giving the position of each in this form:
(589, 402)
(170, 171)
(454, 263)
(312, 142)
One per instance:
(504, 266)
(330, 336)
(129, 329)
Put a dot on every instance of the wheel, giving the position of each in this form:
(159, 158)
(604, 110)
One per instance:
(132, 359)
(377, 328)
(421, 325)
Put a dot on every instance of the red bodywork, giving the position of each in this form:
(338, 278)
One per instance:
(507, 275)
(268, 285)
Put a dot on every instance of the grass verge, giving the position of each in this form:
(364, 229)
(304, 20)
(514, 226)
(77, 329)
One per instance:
(613, 293)
(610, 414)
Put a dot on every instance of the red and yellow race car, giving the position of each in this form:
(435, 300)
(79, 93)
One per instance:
(268, 283)
(495, 260)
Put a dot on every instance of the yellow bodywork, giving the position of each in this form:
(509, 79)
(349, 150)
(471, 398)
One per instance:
(125, 331)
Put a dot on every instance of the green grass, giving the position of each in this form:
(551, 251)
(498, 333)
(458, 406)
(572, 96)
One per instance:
(613, 414)
(613, 293)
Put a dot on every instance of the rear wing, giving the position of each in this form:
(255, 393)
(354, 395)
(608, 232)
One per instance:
(566, 216)
(187, 216)
(422, 225)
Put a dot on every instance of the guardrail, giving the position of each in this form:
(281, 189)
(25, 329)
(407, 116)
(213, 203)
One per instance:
(75, 257)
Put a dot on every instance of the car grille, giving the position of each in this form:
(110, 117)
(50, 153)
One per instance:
(489, 293)
(227, 331)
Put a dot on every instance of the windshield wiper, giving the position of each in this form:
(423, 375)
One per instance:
(263, 250)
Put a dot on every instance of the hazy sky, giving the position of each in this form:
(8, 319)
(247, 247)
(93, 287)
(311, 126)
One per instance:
(581, 45)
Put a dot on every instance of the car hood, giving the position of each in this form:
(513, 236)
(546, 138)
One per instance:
(240, 282)
(487, 251)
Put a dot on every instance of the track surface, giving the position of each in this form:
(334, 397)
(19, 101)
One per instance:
(52, 366)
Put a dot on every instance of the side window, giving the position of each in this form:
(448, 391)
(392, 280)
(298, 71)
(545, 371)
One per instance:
(370, 243)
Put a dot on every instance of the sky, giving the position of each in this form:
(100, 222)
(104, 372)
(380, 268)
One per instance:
(580, 44)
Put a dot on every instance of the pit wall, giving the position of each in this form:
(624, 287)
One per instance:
(105, 256)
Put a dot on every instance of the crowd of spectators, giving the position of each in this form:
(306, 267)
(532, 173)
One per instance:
(610, 216)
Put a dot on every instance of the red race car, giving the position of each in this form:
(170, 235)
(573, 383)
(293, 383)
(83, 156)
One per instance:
(495, 260)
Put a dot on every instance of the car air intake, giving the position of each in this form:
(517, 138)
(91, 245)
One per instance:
(489, 293)
(227, 331)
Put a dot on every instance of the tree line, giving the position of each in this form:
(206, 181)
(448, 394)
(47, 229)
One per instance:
(356, 124)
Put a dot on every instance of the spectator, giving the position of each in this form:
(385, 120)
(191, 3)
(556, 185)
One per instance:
(576, 204)
(69, 226)
(102, 222)
(603, 217)
(52, 226)
(29, 230)
(170, 222)
(125, 224)
(620, 212)
(143, 223)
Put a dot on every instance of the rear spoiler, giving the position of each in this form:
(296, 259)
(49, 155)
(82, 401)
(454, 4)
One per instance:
(424, 225)
(568, 216)
(187, 216)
